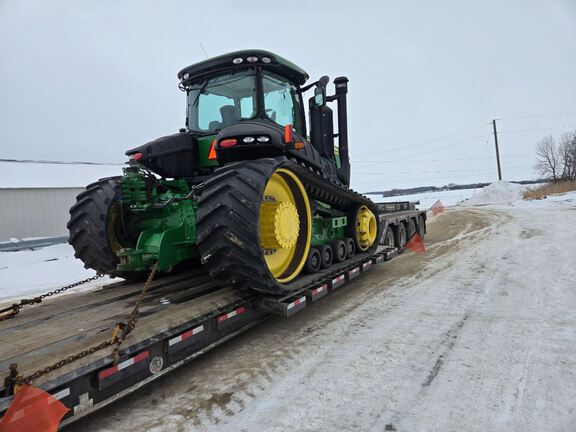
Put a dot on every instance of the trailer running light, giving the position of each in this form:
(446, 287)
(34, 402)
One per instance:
(288, 133)
(136, 156)
(248, 139)
(262, 139)
(228, 142)
(237, 60)
(266, 60)
(252, 59)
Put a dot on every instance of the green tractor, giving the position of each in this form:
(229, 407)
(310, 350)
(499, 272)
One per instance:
(244, 189)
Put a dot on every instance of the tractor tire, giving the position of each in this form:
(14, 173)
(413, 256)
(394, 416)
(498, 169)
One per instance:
(228, 224)
(96, 231)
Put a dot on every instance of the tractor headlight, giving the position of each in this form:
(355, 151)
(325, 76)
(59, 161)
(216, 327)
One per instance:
(263, 139)
(248, 139)
(252, 59)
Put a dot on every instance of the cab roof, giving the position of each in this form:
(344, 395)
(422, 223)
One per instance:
(241, 59)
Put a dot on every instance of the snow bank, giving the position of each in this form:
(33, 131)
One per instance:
(500, 192)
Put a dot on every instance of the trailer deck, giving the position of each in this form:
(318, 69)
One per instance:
(181, 317)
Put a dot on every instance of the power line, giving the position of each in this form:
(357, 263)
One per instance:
(448, 160)
(539, 129)
(442, 148)
(51, 162)
(528, 116)
(428, 141)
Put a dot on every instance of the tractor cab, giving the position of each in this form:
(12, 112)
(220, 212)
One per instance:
(248, 105)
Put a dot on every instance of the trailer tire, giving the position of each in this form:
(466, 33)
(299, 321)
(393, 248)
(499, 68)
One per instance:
(410, 229)
(421, 226)
(400, 235)
(388, 237)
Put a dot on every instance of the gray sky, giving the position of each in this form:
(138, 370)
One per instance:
(84, 80)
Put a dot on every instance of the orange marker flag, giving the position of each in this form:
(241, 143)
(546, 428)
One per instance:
(437, 208)
(416, 244)
(33, 410)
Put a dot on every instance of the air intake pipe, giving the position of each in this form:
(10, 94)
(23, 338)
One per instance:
(341, 84)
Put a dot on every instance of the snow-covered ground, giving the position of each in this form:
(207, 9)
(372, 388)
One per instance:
(29, 272)
(477, 334)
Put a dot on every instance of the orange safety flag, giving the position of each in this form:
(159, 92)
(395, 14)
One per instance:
(416, 244)
(33, 410)
(438, 207)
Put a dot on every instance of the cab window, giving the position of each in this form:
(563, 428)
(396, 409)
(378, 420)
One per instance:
(281, 101)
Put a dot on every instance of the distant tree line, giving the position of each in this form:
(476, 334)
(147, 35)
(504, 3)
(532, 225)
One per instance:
(556, 160)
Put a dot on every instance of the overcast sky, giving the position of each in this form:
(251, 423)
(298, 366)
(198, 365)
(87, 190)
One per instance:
(86, 80)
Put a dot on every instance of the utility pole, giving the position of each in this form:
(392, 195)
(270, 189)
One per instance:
(497, 152)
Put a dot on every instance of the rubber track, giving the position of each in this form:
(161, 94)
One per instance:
(87, 225)
(227, 220)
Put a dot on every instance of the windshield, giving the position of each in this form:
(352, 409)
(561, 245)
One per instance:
(221, 101)
(281, 104)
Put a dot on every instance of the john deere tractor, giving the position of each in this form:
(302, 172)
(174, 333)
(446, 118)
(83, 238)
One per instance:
(244, 189)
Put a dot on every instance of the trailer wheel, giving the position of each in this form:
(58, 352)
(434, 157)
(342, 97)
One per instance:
(410, 229)
(350, 247)
(327, 256)
(400, 237)
(339, 250)
(421, 226)
(314, 261)
(388, 238)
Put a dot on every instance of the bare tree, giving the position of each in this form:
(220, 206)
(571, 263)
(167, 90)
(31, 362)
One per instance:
(567, 156)
(547, 162)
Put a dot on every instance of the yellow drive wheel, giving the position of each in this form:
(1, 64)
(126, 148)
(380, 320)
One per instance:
(366, 228)
(285, 225)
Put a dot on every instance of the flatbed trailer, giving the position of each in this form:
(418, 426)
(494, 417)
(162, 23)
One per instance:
(182, 316)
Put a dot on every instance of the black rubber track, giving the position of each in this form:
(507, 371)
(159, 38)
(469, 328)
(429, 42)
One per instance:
(227, 228)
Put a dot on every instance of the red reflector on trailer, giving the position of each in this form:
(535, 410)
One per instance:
(231, 314)
(228, 142)
(288, 133)
(212, 152)
(136, 156)
(127, 363)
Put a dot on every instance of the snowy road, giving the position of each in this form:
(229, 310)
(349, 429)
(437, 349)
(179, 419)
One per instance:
(477, 334)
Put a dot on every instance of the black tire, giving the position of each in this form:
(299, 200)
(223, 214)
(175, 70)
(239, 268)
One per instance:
(327, 256)
(410, 229)
(314, 261)
(400, 237)
(96, 231)
(338, 250)
(388, 238)
(350, 247)
(226, 229)
(421, 226)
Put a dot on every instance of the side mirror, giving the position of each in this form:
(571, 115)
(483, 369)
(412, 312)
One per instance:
(320, 91)
(320, 96)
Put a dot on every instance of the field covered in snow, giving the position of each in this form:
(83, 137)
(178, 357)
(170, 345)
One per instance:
(476, 334)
